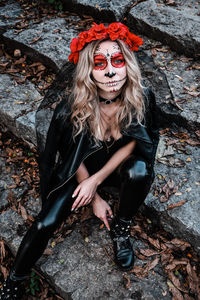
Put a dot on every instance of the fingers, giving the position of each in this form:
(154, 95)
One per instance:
(105, 220)
(78, 202)
(110, 213)
(75, 193)
(81, 201)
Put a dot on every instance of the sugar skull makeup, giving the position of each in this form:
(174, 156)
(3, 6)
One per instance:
(109, 72)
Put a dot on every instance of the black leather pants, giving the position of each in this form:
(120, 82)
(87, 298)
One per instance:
(134, 180)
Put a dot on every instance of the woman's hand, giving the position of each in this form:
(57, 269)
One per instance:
(102, 210)
(84, 192)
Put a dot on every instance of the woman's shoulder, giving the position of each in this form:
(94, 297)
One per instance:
(149, 98)
(63, 108)
(148, 93)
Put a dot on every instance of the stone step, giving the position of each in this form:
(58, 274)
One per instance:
(103, 11)
(18, 107)
(177, 182)
(9, 14)
(82, 270)
(175, 82)
(51, 47)
(177, 28)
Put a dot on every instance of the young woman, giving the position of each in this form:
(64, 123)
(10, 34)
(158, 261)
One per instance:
(104, 134)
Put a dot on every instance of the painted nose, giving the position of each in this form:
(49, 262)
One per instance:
(110, 75)
(109, 71)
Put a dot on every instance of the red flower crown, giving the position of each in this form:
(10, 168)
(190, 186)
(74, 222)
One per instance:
(100, 32)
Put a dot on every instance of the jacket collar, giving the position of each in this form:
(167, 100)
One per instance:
(137, 131)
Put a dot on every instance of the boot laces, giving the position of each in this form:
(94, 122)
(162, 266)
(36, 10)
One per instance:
(9, 292)
(121, 232)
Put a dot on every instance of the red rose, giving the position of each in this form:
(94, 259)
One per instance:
(73, 57)
(74, 45)
(117, 30)
(135, 41)
(99, 31)
(83, 36)
(99, 28)
(91, 37)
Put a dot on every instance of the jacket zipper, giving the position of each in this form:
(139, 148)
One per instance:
(58, 187)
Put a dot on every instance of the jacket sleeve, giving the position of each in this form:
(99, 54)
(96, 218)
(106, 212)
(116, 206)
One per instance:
(47, 158)
(60, 127)
(151, 114)
(151, 120)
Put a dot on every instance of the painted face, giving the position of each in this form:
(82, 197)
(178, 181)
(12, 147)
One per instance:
(109, 71)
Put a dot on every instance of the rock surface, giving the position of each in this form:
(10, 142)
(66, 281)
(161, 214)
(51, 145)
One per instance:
(18, 107)
(9, 14)
(182, 221)
(82, 270)
(175, 80)
(167, 25)
(48, 46)
(104, 11)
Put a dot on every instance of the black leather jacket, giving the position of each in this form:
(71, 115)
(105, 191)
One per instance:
(62, 155)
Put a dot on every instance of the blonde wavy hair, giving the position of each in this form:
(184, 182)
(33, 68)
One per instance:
(85, 107)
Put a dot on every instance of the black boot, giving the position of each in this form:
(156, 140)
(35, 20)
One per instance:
(12, 289)
(119, 233)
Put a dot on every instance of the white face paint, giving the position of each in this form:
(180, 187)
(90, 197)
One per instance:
(109, 71)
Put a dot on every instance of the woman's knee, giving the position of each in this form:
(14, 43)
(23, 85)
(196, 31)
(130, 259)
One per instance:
(47, 223)
(136, 170)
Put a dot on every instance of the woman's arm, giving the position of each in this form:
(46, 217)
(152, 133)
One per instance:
(82, 173)
(114, 162)
(86, 189)
(101, 208)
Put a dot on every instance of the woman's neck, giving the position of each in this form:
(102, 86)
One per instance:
(109, 95)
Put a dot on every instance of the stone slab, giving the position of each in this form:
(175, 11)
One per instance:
(43, 119)
(9, 14)
(25, 127)
(173, 82)
(167, 25)
(17, 106)
(191, 7)
(183, 221)
(81, 270)
(180, 77)
(52, 47)
(102, 11)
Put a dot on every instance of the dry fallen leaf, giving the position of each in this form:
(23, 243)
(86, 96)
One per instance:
(2, 250)
(178, 204)
(193, 280)
(149, 252)
(150, 265)
(176, 282)
(48, 251)
(178, 243)
(170, 2)
(171, 266)
(4, 271)
(166, 258)
(35, 40)
(23, 212)
(175, 292)
(128, 283)
(154, 242)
